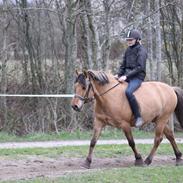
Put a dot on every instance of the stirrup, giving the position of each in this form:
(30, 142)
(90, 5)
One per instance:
(139, 121)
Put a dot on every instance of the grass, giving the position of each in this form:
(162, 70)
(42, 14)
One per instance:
(102, 151)
(131, 175)
(162, 174)
(108, 133)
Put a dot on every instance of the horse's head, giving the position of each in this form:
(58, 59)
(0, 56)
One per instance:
(83, 91)
(85, 87)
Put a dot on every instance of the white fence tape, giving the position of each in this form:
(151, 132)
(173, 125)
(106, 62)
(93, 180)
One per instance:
(43, 95)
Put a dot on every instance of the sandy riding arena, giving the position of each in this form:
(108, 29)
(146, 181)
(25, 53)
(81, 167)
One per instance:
(31, 166)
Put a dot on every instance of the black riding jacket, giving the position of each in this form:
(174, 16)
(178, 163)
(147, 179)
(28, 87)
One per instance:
(134, 62)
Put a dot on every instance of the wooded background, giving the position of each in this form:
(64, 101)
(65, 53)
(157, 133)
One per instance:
(43, 41)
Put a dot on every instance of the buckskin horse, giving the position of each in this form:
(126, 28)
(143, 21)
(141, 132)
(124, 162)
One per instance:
(157, 101)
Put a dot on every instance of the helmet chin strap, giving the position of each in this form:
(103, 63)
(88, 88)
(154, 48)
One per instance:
(136, 43)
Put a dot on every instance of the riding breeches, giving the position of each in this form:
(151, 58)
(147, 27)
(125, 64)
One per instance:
(133, 85)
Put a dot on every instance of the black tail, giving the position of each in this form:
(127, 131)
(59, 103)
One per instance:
(179, 107)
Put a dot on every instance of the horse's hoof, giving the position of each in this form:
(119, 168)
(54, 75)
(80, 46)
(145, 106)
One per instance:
(86, 164)
(147, 161)
(179, 162)
(139, 162)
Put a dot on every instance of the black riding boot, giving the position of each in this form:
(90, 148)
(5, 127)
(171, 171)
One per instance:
(135, 109)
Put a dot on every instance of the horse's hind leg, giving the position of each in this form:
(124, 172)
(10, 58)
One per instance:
(157, 140)
(128, 133)
(161, 123)
(96, 133)
(169, 135)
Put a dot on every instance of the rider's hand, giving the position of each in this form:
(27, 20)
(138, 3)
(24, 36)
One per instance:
(122, 79)
(116, 77)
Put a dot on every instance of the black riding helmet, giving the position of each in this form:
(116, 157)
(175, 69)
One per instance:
(134, 34)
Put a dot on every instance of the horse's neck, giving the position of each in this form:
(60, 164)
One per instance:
(97, 88)
(100, 90)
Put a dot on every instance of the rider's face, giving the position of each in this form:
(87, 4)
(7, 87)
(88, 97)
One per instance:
(131, 42)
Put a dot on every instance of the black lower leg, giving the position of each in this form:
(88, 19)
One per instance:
(132, 145)
(169, 135)
(134, 107)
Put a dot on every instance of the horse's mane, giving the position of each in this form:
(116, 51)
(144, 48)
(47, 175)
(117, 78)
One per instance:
(99, 76)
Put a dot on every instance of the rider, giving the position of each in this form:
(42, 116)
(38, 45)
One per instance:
(133, 70)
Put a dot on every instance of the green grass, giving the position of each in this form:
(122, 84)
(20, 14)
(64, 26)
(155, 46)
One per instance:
(102, 151)
(131, 175)
(108, 133)
(162, 174)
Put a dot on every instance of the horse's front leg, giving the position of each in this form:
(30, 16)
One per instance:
(128, 133)
(98, 125)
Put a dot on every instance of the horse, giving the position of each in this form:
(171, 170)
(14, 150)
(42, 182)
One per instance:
(156, 100)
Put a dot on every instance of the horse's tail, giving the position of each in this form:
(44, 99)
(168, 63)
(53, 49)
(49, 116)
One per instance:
(179, 107)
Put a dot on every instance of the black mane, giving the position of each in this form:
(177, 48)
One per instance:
(99, 76)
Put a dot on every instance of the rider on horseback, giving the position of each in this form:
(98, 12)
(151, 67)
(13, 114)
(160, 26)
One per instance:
(133, 70)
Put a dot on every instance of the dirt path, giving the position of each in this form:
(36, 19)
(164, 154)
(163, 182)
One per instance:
(29, 167)
(34, 166)
(76, 143)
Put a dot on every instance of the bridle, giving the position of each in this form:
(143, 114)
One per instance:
(87, 99)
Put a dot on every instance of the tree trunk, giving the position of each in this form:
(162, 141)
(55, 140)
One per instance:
(28, 45)
(93, 37)
(150, 43)
(158, 40)
(86, 48)
(167, 48)
(71, 51)
(107, 41)
(4, 64)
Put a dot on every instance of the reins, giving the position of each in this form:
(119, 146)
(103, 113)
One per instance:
(86, 99)
(108, 89)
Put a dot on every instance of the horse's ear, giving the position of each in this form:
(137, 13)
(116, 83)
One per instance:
(76, 71)
(85, 72)
(91, 74)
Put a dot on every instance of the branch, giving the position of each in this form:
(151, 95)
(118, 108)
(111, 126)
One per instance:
(34, 8)
(154, 12)
(8, 47)
(128, 16)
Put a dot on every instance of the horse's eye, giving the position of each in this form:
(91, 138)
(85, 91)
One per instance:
(83, 87)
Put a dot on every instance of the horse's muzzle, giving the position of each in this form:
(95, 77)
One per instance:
(76, 108)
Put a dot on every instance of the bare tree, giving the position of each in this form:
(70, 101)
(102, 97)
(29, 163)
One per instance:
(84, 47)
(172, 37)
(150, 42)
(70, 43)
(167, 49)
(4, 53)
(106, 40)
(158, 40)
